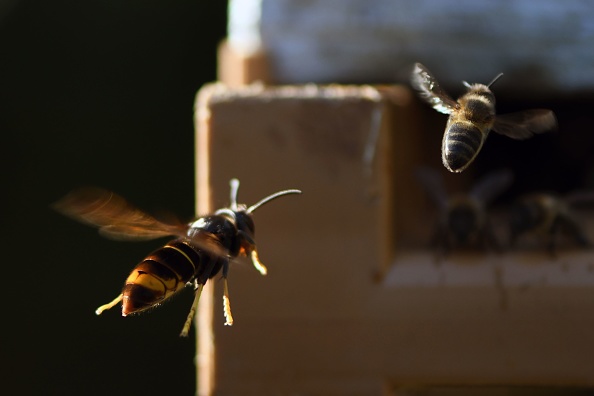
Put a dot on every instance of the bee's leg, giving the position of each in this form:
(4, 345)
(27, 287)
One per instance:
(251, 249)
(107, 306)
(188, 324)
(226, 303)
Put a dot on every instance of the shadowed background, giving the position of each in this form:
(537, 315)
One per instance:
(101, 93)
(95, 93)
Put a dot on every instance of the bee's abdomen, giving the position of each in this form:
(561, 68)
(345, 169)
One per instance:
(461, 143)
(160, 275)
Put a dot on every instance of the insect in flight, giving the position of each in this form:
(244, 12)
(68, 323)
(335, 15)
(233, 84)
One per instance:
(203, 248)
(463, 219)
(472, 117)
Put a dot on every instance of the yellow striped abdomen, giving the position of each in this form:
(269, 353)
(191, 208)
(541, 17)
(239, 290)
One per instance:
(163, 273)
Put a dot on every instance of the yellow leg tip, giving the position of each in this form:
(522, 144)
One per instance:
(185, 332)
(227, 305)
(258, 264)
(109, 305)
(227, 311)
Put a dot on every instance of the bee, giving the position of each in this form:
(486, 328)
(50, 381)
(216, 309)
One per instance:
(463, 220)
(201, 250)
(546, 215)
(472, 117)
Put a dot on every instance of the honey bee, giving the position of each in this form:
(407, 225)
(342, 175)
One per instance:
(547, 215)
(202, 249)
(472, 117)
(463, 219)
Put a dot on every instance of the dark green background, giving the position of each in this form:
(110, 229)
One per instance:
(94, 93)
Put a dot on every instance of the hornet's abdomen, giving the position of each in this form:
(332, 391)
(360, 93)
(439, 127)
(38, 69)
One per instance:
(163, 273)
(461, 143)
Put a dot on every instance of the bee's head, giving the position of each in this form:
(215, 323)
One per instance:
(481, 90)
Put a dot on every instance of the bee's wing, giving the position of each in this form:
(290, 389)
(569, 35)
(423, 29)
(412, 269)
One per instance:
(524, 124)
(423, 81)
(114, 216)
(491, 185)
(432, 182)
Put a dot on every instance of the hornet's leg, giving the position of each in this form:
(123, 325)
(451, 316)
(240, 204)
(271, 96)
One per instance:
(198, 286)
(188, 324)
(226, 302)
(250, 248)
(107, 306)
(257, 263)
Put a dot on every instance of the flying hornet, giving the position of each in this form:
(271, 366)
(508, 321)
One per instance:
(201, 250)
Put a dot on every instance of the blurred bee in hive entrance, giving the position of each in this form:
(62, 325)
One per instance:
(546, 216)
(202, 249)
(463, 220)
(472, 117)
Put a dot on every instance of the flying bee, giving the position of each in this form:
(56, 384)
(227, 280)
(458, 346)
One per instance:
(472, 117)
(202, 249)
(546, 215)
(463, 219)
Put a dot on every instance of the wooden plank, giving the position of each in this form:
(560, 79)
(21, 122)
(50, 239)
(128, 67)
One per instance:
(236, 68)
